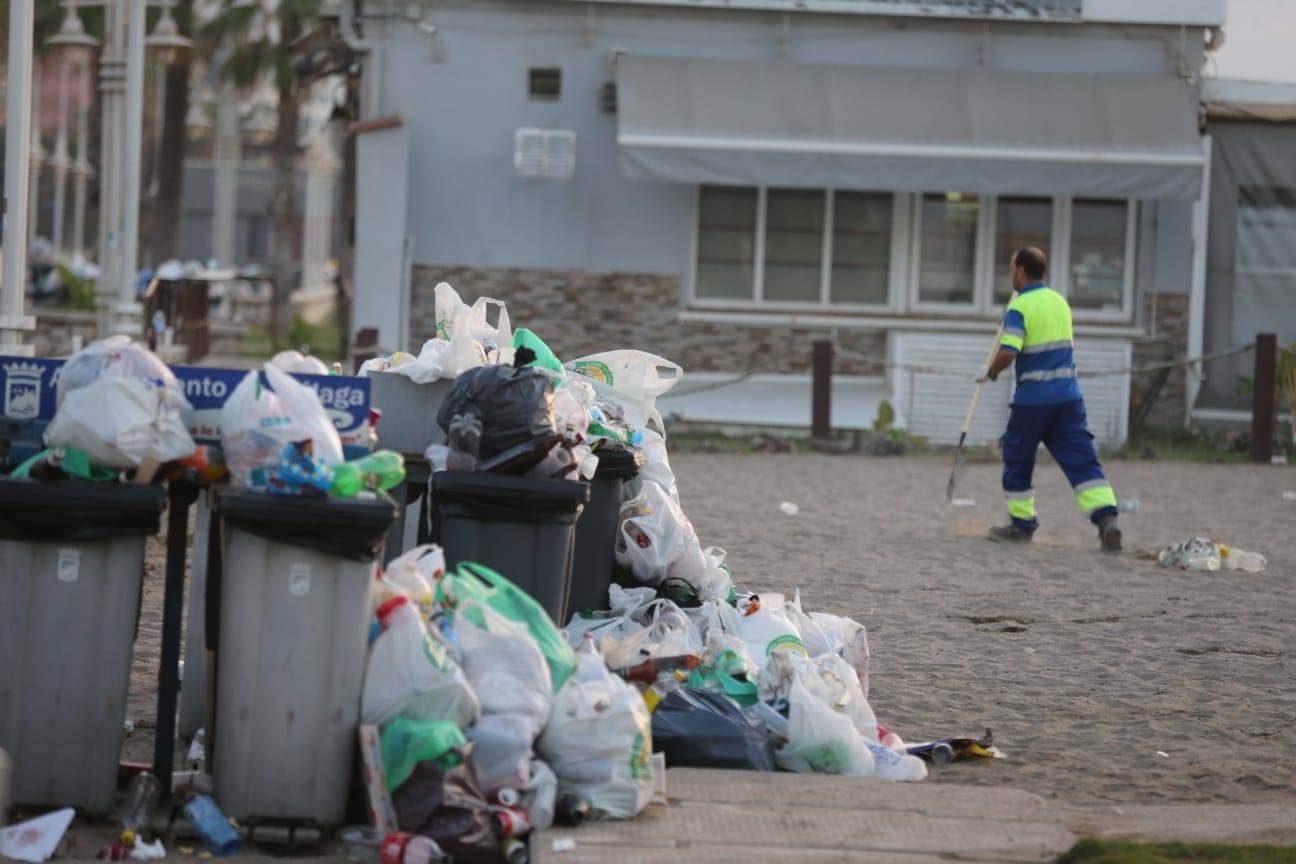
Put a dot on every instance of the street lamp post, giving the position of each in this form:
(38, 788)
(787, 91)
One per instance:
(60, 162)
(13, 322)
(76, 46)
(35, 157)
(81, 167)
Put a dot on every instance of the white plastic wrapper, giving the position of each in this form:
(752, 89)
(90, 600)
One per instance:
(118, 402)
(257, 422)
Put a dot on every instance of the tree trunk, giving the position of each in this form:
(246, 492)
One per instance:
(346, 247)
(285, 221)
(164, 242)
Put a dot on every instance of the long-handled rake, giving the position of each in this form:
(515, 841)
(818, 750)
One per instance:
(956, 473)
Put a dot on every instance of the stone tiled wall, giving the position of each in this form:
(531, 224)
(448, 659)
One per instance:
(579, 313)
(1170, 342)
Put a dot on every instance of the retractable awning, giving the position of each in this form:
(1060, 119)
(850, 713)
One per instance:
(780, 123)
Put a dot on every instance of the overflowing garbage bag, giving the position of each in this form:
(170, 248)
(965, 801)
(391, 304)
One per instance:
(258, 421)
(410, 673)
(599, 739)
(514, 407)
(706, 729)
(120, 405)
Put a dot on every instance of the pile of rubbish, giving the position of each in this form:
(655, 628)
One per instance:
(1203, 553)
(494, 722)
(487, 719)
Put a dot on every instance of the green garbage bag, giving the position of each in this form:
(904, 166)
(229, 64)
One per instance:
(476, 582)
(407, 742)
(545, 359)
(711, 678)
(73, 462)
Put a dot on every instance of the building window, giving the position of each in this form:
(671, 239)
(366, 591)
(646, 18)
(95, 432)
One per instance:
(544, 85)
(947, 255)
(807, 247)
(726, 247)
(794, 238)
(861, 247)
(1019, 222)
(1099, 235)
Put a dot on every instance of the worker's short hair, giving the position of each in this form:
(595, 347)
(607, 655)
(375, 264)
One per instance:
(1032, 260)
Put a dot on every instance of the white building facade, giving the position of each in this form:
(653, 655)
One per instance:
(724, 183)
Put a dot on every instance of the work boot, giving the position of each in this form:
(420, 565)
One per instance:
(1009, 533)
(1110, 534)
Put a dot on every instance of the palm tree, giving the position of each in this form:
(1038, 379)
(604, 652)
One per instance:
(257, 36)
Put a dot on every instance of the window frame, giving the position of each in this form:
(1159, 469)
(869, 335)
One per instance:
(1126, 311)
(896, 270)
(980, 283)
(905, 262)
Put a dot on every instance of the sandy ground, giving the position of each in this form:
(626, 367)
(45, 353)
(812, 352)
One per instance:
(1085, 665)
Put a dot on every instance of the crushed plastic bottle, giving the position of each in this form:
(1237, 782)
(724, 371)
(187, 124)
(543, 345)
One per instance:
(465, 442)
(1128, 505)
(1240, 559)
(376, 472)
(137, 808)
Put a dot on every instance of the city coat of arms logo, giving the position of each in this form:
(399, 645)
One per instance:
(22, 390)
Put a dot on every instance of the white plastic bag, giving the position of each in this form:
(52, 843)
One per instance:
(761, 621)
(891, 765)
(410, 673)
(505, 666)
(413, 575)
(730, 652)
(501, 752)
(296, 362)
(820, 739)
(656, 540)
(817, 640)
(656, 468)
(717, 580)
(636, 373)
(455, 319)
(599, 740)
(114, 357)
(841, 687)
(439, 359)
(854, 641)
(121, 404)
(121, 421)
(257, 422)
(540, 795)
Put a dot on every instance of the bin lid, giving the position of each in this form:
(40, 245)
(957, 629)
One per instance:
(76, 511)
(509, 492)
(618, 462)
(351, 528)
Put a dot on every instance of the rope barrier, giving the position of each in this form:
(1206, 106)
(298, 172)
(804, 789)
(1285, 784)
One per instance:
(950, 372)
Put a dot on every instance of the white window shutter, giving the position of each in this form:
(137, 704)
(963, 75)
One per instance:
(545, 153)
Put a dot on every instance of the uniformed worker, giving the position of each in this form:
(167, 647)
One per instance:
(1047, 407)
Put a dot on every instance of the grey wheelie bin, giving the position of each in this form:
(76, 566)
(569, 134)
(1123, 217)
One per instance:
(71, 574)
(521, 527)
(293, 605)
(596, 532)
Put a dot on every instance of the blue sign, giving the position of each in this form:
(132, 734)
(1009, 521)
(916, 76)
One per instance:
(29, 388)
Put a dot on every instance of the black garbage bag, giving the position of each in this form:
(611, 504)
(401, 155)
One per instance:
(448, 806)
(706, 729)
(515, 407)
